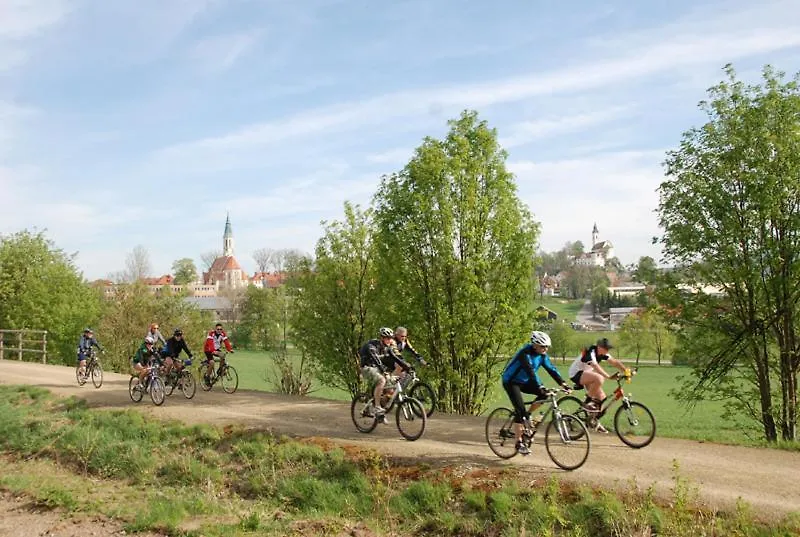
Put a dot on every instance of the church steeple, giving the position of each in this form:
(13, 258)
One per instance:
(227, 238)
(595, 235)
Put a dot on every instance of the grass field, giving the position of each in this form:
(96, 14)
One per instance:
(651, 387)
(567, 309)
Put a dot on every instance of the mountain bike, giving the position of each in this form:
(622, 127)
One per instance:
(225, 373)
(410, 415)
(93, 370)
(565, 437)
(181, 377)
(419, 390)
(152, 384)
(633, 421)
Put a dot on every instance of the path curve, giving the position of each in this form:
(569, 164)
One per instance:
(764, 478)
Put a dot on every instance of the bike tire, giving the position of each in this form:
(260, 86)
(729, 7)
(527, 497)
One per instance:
(97, 375)
(500, 434)
(188, 385)
(357, 407)
(205, 386)
(569, 404)
(157, 392)
(423, 392)
(169, 386)
(579, 443)
(135, 394)
(623, 420)
(80, 378)
(410, 411)
(230, 379)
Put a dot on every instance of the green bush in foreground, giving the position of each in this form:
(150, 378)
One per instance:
(238, 481)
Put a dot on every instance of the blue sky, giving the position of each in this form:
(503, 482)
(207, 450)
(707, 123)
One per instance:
(132, 122)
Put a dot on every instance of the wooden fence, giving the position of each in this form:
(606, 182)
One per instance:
(21, 342)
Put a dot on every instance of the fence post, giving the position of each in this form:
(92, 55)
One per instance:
(19, 349)
(44, 347)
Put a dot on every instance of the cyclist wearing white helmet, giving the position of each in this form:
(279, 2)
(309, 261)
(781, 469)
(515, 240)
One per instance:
(143, 358)
(519, 376)
(376, 357)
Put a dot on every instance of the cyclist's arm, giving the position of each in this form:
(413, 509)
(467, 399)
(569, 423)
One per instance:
(596, 366)
(552, 371)
(398, 360)
(617, 363)
(185, 348)
(522, 357)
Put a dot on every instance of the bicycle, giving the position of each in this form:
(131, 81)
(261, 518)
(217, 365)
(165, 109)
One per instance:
(181, 377)
(152, 384)
(93, 370)
(409, 410)
(225, 373)
(420, 390)
(634, 424)
(563, 431)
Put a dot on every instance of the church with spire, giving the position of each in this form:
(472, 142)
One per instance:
(600, 253)
(226, 271)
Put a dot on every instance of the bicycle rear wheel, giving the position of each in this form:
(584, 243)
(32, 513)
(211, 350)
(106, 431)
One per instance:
(157, 394)
(97, 375)
(188, 385)
(567, 442)
(423, 392)
(410, 418)
(570, 404)
(635, 425)
(500, 433)
(230, 379)
(364, 422)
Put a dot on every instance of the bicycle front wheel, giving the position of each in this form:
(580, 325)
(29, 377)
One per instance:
(230, 379)
(364, 420)
(79, 377)
(97, 375)
(567, 442)
(204, 384)
(410, 418)
(188, 385)
(157, 393)
(635, 424)
(423, 392)
(134, 390)
(500, 433)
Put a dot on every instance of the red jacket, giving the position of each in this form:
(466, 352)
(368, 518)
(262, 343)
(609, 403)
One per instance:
(214, 342)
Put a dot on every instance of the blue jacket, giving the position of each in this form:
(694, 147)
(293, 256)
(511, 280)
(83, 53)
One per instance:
(523, 366)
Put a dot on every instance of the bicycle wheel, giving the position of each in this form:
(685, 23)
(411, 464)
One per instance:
(567, 442)
(97, 375)
(500, 433)
(188, 385)
(134, 390)
(230, 379)
(206, 386)
(157, 391)
(170, 381)
(80, 378)
(423, 392)
(365, 422)
(411, 419)
(635, 425)
(570, 404)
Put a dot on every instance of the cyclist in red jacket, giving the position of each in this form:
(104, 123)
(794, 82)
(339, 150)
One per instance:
(214, 341)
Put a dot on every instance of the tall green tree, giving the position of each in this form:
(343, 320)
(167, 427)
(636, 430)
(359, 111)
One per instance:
(41, 289)
(184, 271)
(455, 248)
(730, 210)
(261, 319)
(334, 299)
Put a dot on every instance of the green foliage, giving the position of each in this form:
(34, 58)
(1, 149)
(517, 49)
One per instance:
(582, 281)
(260, 321)
(561, 335)
(41, 289)
(334, 299)
(454, 247)
(184, 271)
(730, 209)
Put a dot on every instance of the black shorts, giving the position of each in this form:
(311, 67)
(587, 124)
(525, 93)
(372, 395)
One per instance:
(576, 378)
(532, 388)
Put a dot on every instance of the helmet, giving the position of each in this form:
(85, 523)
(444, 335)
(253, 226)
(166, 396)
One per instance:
(154, 326)
(540, 338)
(149, 340)
(178, 332)
(386, 332)
(87, 330)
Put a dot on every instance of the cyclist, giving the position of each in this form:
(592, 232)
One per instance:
(215, 340)
(173, 349)
(376, 357)
(85, 343)
(145, 356)
(519, 376)
(403, 344)
(586, 371)
(154, 333)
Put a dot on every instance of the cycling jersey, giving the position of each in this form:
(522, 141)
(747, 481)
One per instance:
(521, 369)
(585, 360)
(174, 347)
(214, 342)
(374, 354)
(143, 355)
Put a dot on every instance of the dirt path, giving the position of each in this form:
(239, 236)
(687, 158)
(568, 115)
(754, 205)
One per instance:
(764, 478)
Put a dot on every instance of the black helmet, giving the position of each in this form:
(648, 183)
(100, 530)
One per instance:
(178, 332)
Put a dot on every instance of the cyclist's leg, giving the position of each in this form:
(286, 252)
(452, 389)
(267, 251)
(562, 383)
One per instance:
(209, 361)
(515, 396)
(593, 382)
(141, 371)
(82, 363)
(533, 388)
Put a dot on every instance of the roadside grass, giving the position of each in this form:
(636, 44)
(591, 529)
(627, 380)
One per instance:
(566, 308)
(203, 480)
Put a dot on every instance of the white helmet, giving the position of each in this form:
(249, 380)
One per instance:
(540, 338)
(386, 332)
(149, 340)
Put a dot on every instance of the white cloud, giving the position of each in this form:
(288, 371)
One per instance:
(20, 22)
(219, 53)
(391, 156)
(553, 125)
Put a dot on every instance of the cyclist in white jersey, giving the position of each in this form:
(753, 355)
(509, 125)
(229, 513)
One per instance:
(586, 371)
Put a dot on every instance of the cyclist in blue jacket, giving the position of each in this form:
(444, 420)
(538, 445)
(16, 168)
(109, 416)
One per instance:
(519, 376)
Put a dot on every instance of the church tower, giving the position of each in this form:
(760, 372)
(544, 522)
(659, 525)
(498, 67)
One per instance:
(227, 238)
(595, 235)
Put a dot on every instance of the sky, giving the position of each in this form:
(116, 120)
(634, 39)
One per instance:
(144, 122)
